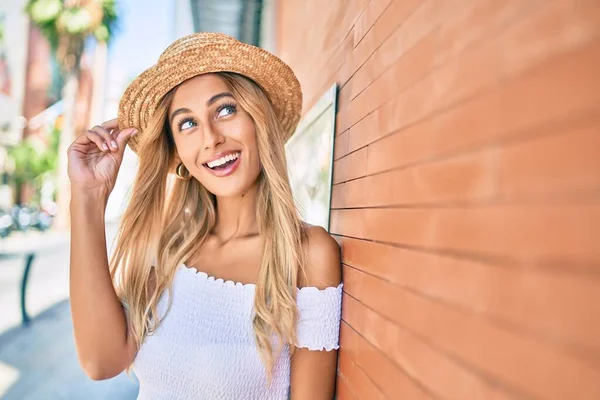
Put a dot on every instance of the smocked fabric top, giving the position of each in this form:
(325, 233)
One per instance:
(204, 347)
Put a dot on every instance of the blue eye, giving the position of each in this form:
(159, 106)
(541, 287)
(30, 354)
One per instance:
(225, 110)
(186, 123)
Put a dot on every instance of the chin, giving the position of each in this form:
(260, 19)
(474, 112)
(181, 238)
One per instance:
(230, 189)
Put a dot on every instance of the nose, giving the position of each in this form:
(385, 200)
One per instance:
(212, 137)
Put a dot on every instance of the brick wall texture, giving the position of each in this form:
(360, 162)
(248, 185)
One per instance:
(466, 193)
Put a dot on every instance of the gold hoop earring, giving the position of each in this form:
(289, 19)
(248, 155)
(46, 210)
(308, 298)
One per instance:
(181, 176)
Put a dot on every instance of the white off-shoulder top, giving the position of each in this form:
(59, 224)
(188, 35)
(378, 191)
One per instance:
(204, 347)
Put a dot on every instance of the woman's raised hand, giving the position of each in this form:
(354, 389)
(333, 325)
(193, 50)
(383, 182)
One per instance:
(95, 157)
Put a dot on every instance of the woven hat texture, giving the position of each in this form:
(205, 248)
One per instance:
(202, 53)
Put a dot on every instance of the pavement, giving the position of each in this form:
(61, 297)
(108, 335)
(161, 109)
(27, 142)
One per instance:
(39, 360)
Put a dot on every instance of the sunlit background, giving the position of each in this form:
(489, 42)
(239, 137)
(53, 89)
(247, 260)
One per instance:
(39, 113)
(465, 189)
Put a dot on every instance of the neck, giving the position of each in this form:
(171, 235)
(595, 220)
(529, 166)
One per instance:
(236, 216)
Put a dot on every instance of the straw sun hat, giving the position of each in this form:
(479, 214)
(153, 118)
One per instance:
(202, 53)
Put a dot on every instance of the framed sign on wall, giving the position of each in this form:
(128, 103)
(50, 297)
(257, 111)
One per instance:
(309, 154)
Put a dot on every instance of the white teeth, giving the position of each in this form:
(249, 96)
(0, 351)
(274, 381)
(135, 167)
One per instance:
(223, 160)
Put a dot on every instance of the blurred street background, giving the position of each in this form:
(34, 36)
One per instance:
(58, 78)
(457, 164)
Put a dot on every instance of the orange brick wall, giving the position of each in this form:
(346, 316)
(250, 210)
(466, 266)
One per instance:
(466, 191)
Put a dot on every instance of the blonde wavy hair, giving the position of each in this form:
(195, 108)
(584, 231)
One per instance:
(167, 220)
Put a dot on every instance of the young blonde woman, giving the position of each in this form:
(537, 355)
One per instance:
(215, 289)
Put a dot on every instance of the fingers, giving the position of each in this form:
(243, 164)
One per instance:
(122, 138)
(107, 137)
(92, 137)
(110, 124)
(109, 141)
(119, 138)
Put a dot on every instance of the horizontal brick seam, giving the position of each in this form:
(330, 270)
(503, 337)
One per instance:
(356, 365)
(485, 376)
(530, 71)
(587, 353)
(401, 368)
(545, 129)
(473, 45)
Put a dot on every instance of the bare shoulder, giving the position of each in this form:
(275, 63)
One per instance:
(322, 265)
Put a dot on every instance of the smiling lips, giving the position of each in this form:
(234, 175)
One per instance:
(224, 165)
(223, 160)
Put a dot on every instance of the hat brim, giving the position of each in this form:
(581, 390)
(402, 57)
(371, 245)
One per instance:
(143, 95)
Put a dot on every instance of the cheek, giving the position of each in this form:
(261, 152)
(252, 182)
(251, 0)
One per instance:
(186, 158)
(245, 133)
(254, 167)
(252, 147)
(187, 148)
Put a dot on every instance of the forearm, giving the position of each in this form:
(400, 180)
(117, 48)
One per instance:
(98, 318)
(313, 374)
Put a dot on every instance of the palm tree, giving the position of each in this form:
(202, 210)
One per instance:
(68, 24)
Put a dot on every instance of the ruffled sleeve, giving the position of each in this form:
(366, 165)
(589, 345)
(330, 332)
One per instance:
(320, 312)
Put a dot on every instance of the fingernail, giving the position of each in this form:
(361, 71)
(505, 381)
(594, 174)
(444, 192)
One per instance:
(104, 146)
(114, 144)
(135, 132)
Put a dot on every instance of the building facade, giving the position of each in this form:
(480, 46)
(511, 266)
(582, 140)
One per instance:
(465, 193)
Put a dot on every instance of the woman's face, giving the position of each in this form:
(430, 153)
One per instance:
(214, 136)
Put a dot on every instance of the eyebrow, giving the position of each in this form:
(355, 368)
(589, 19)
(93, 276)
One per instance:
(209, 103)
(217, 97)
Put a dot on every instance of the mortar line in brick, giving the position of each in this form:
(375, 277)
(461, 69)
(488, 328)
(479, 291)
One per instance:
(393, 362)
(557, 266)
(361, 14)
(347, 382)
(413, 379)
(356, 365)
(386, 38)
(545, 129)
(475, 370)
(432, 114)
(471, 46)
(359, 366)
(338, 48)
(578, 350)
(509, 78)
(374, 22)
(492, 201)
(433, 31)
(501, 29)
